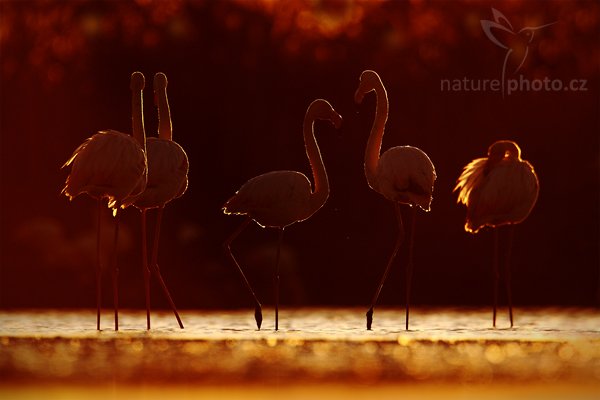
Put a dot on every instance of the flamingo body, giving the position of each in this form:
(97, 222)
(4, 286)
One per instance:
(405, 174)
(275, 199)
(280, 198)
(500, 189)
(497, 190)
(167, 179)
(167, 173)
(109, 164)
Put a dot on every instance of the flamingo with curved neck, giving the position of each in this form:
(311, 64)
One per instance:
(111, 165)
(403, 175)
(167, 179)
(279, 199)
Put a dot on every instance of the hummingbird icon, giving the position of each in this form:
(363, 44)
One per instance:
(516, 43)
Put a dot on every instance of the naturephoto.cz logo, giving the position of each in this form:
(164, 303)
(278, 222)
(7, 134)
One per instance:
(516, 45)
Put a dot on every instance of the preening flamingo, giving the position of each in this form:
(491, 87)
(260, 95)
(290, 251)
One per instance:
(280, 198)
(111, 165)
(167, 180)
(403, 175)
(500, 189)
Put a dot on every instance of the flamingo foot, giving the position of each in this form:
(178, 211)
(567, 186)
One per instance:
(258, 316)
(369, 318)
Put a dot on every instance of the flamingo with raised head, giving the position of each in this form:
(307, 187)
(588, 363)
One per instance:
(402, 174)
(167, 180)
(111, 165)
(280, 198)
(500, 189)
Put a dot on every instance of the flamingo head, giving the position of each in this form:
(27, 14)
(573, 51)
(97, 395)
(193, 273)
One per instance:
(137, 81)
(367, 82)
(159, 83)
(321, 109)
(503, 149)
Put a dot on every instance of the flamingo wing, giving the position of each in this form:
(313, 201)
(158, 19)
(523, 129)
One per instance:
(274, 199)
(167, 173)
(505, 196)
(406, 174)
(470, 178)
(109, 164)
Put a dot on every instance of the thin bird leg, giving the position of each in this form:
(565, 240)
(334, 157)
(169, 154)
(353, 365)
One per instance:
(409, 266)
(399, 240)
(511, 230)
(145, 269)
(115, 271)
(227, 247)
(496, 274)
(156, 269)
(98, 267)
(277, 279)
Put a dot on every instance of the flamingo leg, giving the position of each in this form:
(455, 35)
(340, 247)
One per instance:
(115, 272)
(145, 269)
(496, 275)
(227, 247)
(98, 268)
(277, 279)
(399, 240)
(409, 266)
(156, 268)
(511, 231)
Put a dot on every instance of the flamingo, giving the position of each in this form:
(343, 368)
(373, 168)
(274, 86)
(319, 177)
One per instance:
(403, 175)
(167, 180)
(111, 165)
(278, 199)
(500, 189)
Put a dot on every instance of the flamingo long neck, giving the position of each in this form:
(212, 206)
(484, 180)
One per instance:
(376, 135)
(137, 118)
(321, 189)
(165, 129)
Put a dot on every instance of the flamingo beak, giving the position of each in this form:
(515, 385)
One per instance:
(359, 95)
(337, 120)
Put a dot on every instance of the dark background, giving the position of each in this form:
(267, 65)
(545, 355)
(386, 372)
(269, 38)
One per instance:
(241, 74)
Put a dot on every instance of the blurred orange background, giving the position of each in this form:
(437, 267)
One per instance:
(241, 74)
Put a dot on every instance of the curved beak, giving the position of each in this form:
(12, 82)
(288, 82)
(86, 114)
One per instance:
(358, 95)
(337, 120)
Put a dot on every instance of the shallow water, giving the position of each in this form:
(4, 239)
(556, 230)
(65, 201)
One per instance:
(316, 350)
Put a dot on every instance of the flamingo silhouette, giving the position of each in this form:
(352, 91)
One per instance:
(111, 165)
(167, 180)
(500, 189)
(403, 175)
(280, 198)
(517, 43)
